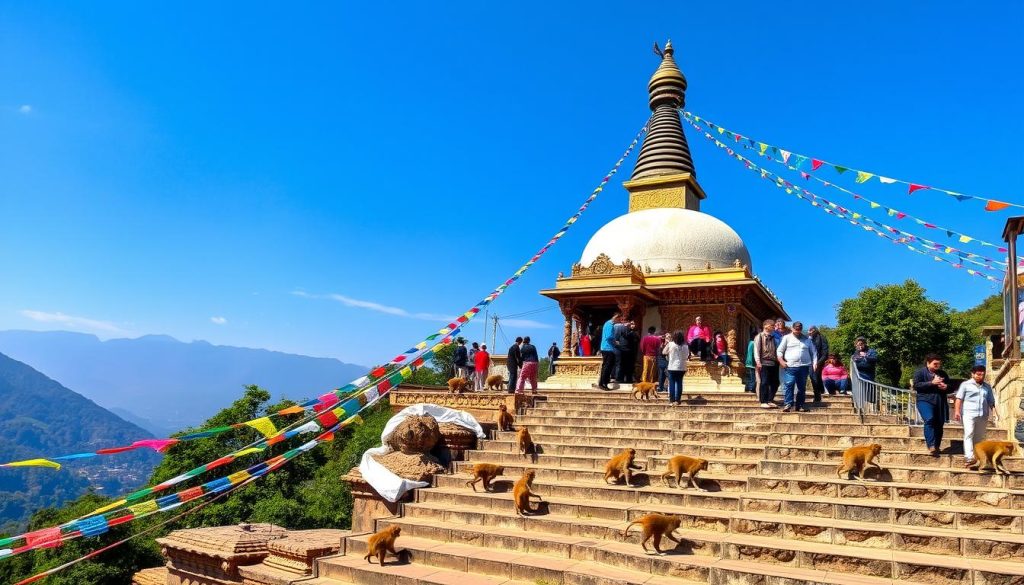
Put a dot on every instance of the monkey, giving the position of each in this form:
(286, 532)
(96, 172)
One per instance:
(382, 543)
(989, 454)
(495, 382)
(857, 458)
(522, 491)
(656, 525)
(645, 390)
(457, 385)
(525, 441)
(621, 465)
(505, 418)
(485, 472)
(691, 465)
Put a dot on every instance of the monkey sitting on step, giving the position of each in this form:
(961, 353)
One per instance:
(495, 382)
(656, 525)
(691, 465)
(989, 454)
(382, 543)
(525, 441)
(505, 418)
(645, 390)
(857, 458)
(621, 466)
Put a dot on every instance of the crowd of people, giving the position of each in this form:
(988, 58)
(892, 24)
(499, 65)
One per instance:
(474, 363)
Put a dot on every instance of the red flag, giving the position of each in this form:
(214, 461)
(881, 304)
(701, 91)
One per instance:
(900, 215)
(45, 538)
(815, 163)
(914, 187)
(995, 205)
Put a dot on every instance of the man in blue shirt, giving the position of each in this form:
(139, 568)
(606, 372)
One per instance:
(607, 352)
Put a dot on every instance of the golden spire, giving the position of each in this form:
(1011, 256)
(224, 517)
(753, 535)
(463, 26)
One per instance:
(665, 151)
(667, 85)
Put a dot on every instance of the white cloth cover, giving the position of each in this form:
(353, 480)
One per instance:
(390, 486)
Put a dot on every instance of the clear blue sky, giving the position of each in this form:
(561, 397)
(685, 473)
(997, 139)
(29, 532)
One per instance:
(187, 168)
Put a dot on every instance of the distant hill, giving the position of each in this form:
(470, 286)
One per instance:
(987, 312)
(162, 383)
(39, 418)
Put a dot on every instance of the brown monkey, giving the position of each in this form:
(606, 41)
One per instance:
(522, 491)
(457, 385)
(621, 466)
(989, 454)
(382, 543)
(485, 472)
(525, 441)
(857, 458)
(645, 390)
(495, 382)
(505, 419)
(656, 525)
(691, 465)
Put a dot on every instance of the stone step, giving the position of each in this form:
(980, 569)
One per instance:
(354, 569)
(642, 413)
(765, 416)
(586, 462)
(593, 448)
(844, 547)
(798, 439)
(598, 431)
(712, 479)
(926, 476)
(585, 500)
(616, 440)
(461, 563)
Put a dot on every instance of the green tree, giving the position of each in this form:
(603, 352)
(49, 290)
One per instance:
(903, 326)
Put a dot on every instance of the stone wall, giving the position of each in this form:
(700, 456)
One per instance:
(1009, 387)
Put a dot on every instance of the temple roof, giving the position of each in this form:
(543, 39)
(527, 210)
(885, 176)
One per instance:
(665, 150)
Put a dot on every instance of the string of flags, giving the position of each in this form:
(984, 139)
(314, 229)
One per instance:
(960, 237)
(861, 176)
(843, 213)
(905, 236)
(369, 390)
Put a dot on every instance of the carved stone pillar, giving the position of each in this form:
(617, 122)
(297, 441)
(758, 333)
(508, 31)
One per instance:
(732, 329)
(568, 308)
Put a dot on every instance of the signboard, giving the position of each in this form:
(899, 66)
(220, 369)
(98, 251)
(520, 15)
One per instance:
(979, 355)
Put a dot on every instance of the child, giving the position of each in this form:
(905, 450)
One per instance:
(720, 349)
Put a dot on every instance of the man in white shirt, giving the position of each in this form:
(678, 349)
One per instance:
(797, 357)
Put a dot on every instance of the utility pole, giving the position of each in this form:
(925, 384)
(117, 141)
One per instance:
(494, 334)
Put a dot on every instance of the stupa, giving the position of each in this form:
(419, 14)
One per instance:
(664, 262)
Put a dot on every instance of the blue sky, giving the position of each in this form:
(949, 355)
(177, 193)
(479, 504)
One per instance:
(186, 169)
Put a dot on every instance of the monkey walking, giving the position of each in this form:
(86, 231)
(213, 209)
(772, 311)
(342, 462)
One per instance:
(621, 466)
(457, 385)
(495, 382)
(525, 441)
(857, 458)
(691, 465)
(656, 525)
(989, 455)
(522, 491)
(382, 543)
(505, 418)
(645, 390)
(485, 472)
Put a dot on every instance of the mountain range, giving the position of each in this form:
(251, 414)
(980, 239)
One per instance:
(163, 384)
(41, 418)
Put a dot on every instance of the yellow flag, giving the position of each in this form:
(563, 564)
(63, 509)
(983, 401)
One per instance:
(406, 372)
(856, 216)
(355, 419)
(112, 506)
(874, 205)
(238, 477)
(721, 130)
(948, 249)
(763, 146)
(964, 239)
(248, 451)
(264, 426)
(143, 508)
(34, 463)
(862, 176)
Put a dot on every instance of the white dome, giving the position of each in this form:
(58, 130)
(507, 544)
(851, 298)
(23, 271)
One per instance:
(667, 237)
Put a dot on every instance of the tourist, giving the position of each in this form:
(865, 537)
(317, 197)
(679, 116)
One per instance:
(796, 358)
(630, 346)
(515, 361)
(530, 364)
(698, 337)
(678, 352)
(865, 359)
(932, 386)
(471, 364)
(780, 330)
(663, 362)
(619, 344)
(821, 347)
(975, 402)
(750, 369)
(585, 345)
(607, 352)
(767, 364)
(834, 376)
(650, 347)
(461, 359)
(553, 353)
(482, 364)
(720, 351)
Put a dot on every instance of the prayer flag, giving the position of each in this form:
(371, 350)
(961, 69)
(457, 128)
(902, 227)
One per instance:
(785, 155)
(840, 169)
(45, 538)
(33, 463)
(265, 426)
(763, 146)
(863, 177)
(143, 508)
(995, 205)
(965, 239)
(816, 164)
(914, 187)
(291, 410)
(886, 180)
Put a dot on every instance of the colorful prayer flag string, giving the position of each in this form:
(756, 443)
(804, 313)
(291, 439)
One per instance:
(862, 176)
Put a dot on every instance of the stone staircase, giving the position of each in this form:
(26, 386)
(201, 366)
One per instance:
(774, 512)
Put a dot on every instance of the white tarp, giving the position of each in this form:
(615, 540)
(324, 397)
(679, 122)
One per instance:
(390, 486)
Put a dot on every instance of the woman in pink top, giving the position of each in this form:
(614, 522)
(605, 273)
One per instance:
(698, 337)
(720, 350)
(834, 376)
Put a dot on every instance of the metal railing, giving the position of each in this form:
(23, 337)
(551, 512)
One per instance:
(870, 397)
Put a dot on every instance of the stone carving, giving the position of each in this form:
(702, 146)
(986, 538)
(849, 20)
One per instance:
(561, 274)
(679, 267)
(603, 266)
(707, 266)
(737, 264)
(412, 440)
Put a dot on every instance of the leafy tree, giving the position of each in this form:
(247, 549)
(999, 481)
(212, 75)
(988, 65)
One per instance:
(987, 312)
(903, 325)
